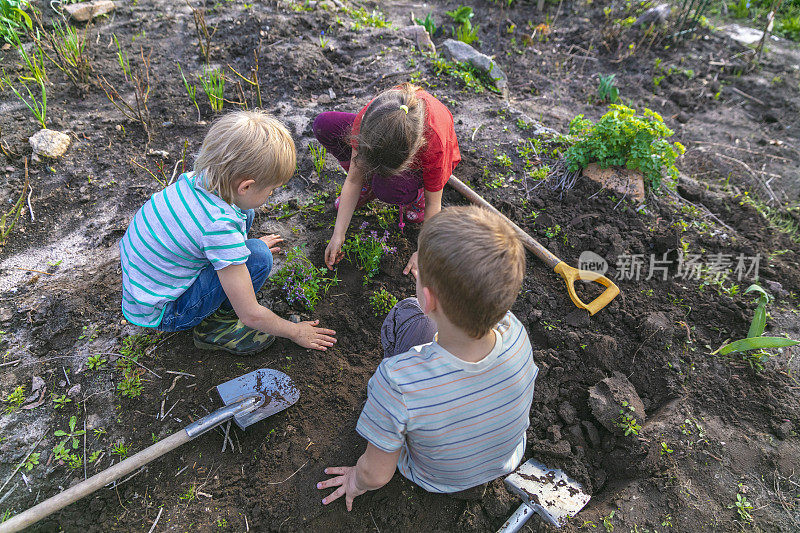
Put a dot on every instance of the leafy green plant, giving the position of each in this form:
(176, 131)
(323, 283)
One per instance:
(743, 507)
(382, 302)
(132, 349)
(72, 434)
(120, 449)
(626, 421)
(428, 23)
(14, 399)
(467, 33)
(740, 9)
(96, 362)
(754, 340)
(607, 90)
(191, 90)
(461, 15)
(362, 18)
(213, 82)
(13, 19)
(365, 250)
(471, 77)
(299, 281)
(31, 461)
(94, 457)
(665, 449)
(624, 138)
(789, 27)
(60, 401)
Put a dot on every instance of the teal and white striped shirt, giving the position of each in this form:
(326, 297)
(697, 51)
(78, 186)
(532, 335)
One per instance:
(176, 234)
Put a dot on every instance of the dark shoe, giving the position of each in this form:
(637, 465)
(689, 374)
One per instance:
(366, 196)
(474, 493)
(224, 331)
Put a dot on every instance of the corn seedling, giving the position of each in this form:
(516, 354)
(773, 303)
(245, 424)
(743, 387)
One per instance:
(191, 90)
(60, 401)
(204, 36)
(318, 154)
(137, 110)
(428, 23)
(607, 90)
(14, 399)
(122, 58)
(214, 86)
(754, 340)
(382, 302)
(37, 107)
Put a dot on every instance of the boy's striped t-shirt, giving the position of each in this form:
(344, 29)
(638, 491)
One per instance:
(457, 424)
(178, 232)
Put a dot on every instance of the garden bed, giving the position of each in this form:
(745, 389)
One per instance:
(730, 428)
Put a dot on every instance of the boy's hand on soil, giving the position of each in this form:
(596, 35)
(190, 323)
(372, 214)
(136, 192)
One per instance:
(333, 253)
(346, 481)
(309, 336)
(272, 241)
(412, 265)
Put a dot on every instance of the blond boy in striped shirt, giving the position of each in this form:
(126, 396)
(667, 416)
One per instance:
(186, 260)
(449, 405)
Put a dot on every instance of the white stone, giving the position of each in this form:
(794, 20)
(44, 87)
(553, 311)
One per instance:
(85, 11)
(742, 34)
(49, 143)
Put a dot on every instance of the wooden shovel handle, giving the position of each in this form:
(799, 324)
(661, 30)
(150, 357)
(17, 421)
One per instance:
(568, 273)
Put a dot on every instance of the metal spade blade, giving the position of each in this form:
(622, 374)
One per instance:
(278, 390)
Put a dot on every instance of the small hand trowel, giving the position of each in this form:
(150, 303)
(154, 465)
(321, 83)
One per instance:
(247, 399)
(548, 492)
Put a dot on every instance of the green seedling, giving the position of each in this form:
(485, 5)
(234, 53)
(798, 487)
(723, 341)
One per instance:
(13, 19)
(189, 495)
(743, 508)
(33, 62)
(362, 18)
(72, 434)
(121, 450)
(323, 42)
(213, 82)
(461, 15)
(14, 399)
(31, 461)
(626, 421)
(467, 33)
(755, 340)
(365, 250)
(122, 58)
(609, 527)
(318, 154)
(382, 302)
(94, 457)
(191, 90)
(96, 362)
(60, 401)
(665, 449)
(37, 107)
(607, 90)
(428, 23)
(300, 282)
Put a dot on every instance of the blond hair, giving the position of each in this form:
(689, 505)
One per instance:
(390, 135)
(245, 145)
(473, 262)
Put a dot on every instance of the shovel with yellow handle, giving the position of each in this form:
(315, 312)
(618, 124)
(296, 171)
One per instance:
(567, 272)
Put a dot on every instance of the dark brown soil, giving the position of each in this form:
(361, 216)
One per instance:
(731, 429)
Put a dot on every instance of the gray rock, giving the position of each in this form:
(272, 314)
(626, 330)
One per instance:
(85, 11)
(655, 15)
(74, 390)
(611, 395)
(554, 433)
(464, 53)
(93, 421)
(6, 314)
(420, 36)
(567, 413)
(591, 433)
(775, 288)
(49, 143)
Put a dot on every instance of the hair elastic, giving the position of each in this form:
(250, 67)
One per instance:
(404, 108)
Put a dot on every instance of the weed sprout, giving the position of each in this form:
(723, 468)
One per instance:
(214, 86)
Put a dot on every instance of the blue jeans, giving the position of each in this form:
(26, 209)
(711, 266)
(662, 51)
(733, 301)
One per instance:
(205, 295)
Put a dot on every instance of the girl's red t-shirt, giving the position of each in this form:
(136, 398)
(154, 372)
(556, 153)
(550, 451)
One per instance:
(440, 155)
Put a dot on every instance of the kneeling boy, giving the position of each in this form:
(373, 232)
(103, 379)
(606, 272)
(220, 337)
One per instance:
(449, 405)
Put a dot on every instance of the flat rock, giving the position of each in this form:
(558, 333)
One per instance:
(464, 53)
(611, 395)
(49, 143)
(420, 37)
(85, 11)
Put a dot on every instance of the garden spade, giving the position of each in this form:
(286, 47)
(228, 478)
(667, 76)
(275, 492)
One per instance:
(548, 492)
(570, 274)
(247, 400)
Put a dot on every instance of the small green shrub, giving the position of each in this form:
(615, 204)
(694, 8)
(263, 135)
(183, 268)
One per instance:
(789, 27)
(428, 23)
(300, 281)
(382, 302)
(740, 9)
(14, 399)
(365, 250)
(624, 138)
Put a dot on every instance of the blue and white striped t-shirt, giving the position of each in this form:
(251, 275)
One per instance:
(457, 424)
(178, 232)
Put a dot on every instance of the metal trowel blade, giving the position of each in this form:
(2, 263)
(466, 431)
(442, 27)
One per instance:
(548, 491)
(278, 389)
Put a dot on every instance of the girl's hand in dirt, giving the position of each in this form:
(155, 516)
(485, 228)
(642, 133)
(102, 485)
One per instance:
(333, 253)
(346, 480)
(412, 265)
(272, 241)
(308, 335)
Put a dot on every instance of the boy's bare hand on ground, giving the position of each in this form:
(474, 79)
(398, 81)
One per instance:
(412, 265)
(346, 481)
(309, 336)
(272, 241)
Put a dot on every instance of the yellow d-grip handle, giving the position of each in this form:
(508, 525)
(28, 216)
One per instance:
(571, 274)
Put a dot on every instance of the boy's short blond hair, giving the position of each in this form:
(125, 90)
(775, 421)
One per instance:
(245, 144)
(473, 262)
